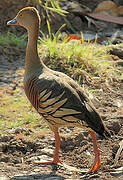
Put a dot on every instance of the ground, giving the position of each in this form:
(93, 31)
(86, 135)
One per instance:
(19, 151)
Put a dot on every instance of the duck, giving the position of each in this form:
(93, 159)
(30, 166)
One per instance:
(56, 97)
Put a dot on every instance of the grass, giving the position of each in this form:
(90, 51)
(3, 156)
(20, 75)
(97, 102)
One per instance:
(50, 7)
(10, 39)
(12, 45)
(16, 111)
(93, 59)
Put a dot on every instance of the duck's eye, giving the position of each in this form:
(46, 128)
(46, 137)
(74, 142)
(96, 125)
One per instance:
(21, 15)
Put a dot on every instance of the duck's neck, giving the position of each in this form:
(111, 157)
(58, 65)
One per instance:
(32, 59)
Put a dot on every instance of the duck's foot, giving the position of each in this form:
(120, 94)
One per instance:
(96, 163)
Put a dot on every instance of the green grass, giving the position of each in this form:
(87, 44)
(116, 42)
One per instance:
(9, 40)
(50, 7)
(77, 58)
(12, 45)
(16, 111)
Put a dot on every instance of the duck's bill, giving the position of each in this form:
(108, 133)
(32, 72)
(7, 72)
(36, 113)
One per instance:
(12, 22)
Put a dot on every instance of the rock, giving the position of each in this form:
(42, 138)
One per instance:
(47, 151)
(107, 7)
(20, 130)
(77, 23)
(118, 52)
(77, 8)
(43, 158)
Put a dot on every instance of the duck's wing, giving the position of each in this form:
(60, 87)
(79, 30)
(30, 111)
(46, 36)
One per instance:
(62, 102)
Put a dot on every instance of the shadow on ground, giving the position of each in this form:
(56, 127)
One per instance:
(38, 177)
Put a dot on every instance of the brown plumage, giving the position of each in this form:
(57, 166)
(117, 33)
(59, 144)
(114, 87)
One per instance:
(58, 98)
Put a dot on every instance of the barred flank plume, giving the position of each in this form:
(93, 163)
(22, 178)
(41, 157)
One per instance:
(50, 106)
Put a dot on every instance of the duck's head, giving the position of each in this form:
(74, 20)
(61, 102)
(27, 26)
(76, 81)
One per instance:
(27, 17)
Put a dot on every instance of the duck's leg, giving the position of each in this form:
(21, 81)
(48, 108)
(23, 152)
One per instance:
(56, 159)
(96, 163)
(57, 148)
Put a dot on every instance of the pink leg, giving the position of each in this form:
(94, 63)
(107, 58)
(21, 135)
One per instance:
(56, 151)
(96, 163)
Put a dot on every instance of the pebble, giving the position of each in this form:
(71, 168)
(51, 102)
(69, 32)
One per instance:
(19, 130)
(47, 151)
